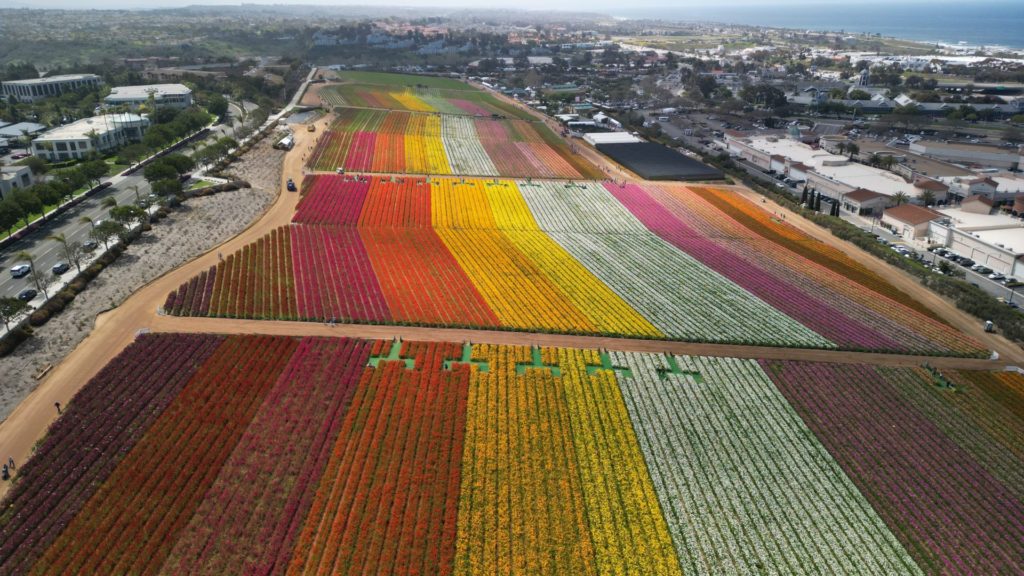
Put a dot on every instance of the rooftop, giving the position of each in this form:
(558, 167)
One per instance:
(137, 92)
(16, 130)
(862, 195)
(80, 129)
(964, 147)
(912, 214)
(58, 78)
(970, 221)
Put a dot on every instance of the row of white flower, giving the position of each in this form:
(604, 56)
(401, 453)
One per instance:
(465, 152)
(579, 207)
(744, 484)
(681, 296)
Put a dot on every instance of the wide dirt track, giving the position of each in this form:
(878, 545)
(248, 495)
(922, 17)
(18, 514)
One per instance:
(117, 328)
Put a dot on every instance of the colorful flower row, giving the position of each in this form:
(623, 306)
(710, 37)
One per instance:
(416, 143)
(270, 455)
(661, 262)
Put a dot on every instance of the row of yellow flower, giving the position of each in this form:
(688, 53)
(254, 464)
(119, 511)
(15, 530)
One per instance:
(553, 479)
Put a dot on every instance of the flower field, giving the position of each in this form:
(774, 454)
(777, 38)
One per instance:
(414, 94)
(665, 261)
(363, 140)
(273, 455)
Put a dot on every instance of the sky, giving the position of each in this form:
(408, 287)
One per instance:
(576, 5)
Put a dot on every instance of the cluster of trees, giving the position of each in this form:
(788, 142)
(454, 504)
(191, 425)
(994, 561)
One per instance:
(22, 205)
(215, 152)
(164, 174)
(168, 126)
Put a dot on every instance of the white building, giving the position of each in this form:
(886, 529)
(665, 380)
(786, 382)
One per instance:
(99, 134)
(830, 174)
(994, 240)
(169, 95)
(970, 154)
(13, 178)
(39, 88)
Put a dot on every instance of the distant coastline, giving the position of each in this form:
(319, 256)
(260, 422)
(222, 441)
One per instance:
(985, 23)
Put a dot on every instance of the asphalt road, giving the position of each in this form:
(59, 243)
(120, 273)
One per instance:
(47, 253)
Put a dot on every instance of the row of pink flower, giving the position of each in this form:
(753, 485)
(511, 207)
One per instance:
(249, 519)
(805, 307)
(332, 200)
(334, 278)
(952, 515)
(360, 152)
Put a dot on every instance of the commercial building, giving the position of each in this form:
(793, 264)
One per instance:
(994, 240)
(163, 95)
(99, 134)
(14, 177)
(832, 175)
(39, 88)
(970, 154)
(20, 130)
(909, 221)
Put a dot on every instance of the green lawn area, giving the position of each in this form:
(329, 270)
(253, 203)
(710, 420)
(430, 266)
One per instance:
(115, 168)
(388, 79)
(200, 184)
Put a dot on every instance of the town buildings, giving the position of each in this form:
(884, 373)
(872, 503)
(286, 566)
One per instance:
(80, 139)
(38, 88)
(162, 95)
(14, 177)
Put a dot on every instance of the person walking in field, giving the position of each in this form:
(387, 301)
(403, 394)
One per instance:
(10, 462)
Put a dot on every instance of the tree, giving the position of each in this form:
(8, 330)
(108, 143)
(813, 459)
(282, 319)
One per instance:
(106, 230)
(10, 308)
(159, 171)
(72, 250)
(217, 105)
(36, 276)
(93, 170)
(128, 215)
(29, 204)
(927, 197)
(852, 149)
(859, 95)
(167, 187)
(10, 213)
(179, 162)
(899, 198)
(36, 164)
(132, 153)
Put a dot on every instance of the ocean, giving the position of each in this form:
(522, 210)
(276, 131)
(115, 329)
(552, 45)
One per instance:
(985, 22)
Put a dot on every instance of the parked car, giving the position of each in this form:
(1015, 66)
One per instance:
(90, 245)
(20, 155)
(965, 262)
(21, 270)
(27, 295)
(61, 267)
(996, 276)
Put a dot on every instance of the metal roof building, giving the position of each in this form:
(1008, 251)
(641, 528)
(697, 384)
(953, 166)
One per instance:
(38, 88)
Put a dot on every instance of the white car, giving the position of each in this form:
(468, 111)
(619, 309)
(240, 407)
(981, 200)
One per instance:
(21, 270)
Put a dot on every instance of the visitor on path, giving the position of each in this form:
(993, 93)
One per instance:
(57, 404)
(7, 473)
(10, 462)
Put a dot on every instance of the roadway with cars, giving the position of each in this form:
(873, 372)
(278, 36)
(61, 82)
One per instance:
(47, 253)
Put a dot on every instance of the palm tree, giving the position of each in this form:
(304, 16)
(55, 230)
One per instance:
(927, 197)
(135, 188)
(72, 250)
(37, 277)
(899, 198)
(87, 220)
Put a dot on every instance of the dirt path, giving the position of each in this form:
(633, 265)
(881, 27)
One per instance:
(378, 332)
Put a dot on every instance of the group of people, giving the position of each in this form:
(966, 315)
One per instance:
(8, 468)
